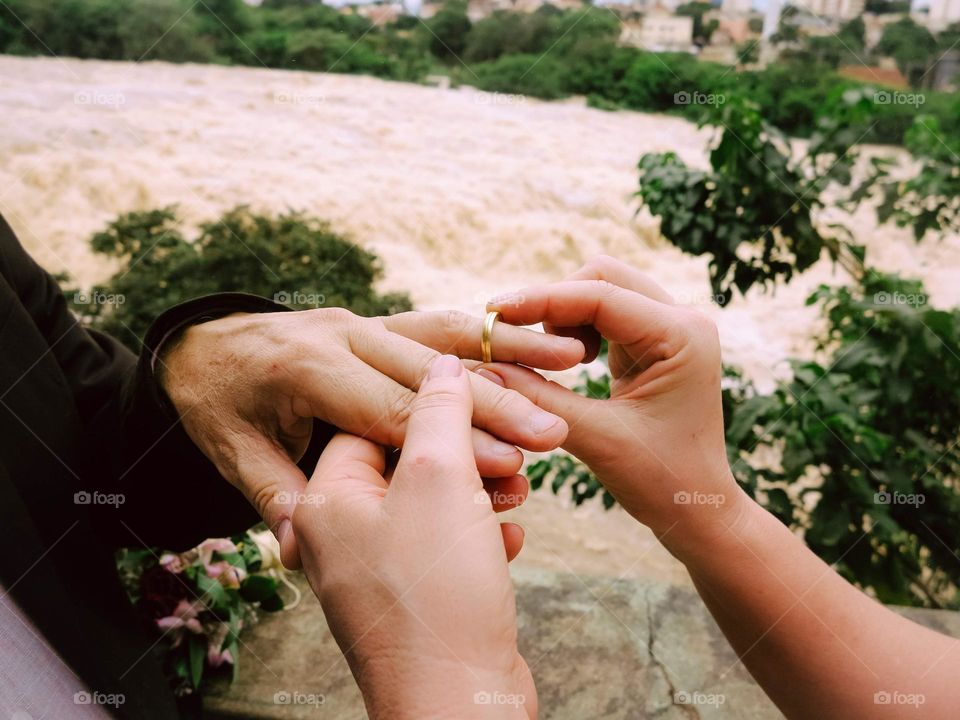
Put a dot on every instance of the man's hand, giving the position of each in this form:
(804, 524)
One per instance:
(247, 388)
(657, 444)
(410, 566)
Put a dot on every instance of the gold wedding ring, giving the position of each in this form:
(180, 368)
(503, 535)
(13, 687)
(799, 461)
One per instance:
(486, 348)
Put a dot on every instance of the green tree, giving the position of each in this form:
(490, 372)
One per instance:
(887, 7)
(449, 29)
(294, 258)
(910, 45)
(697, 10)
(539, 76)
(159, 30)
(509, 33)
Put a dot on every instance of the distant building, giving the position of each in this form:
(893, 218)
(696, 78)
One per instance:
(946, 73)
(379, 13)
(736, 7)
(659, 31)
(833, 9)
(874, 25)
(771, 19)
(733, 28)
(723, 53)
(943, 13)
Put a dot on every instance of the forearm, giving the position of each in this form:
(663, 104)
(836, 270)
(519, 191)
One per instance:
(458, 692)
(819, 647)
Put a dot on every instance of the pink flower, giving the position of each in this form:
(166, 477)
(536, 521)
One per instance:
(184, 617)
(172, 562)
(216, 656)
(222, 571)
(208, 547)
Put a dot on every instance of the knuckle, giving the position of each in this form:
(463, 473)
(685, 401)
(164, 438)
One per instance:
(437, 398)
(335, 316)
(263, 498)
(507, 403)
(398, 413)
(701, 331)
(608, 291)
(456, 322)
(601, 264)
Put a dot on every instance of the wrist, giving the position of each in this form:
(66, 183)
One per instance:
(706, 524)
(180, 352)
(397, 689)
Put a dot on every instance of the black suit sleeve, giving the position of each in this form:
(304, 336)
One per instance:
(131, 438)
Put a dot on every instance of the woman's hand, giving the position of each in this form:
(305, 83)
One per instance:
(657, 444)
(410, 566)
(247, 388)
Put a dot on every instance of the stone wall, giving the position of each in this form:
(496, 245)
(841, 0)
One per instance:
(598, 648)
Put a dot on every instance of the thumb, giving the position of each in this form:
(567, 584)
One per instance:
(437, 452)
(273, 484)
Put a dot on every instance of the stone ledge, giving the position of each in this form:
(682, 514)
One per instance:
(598, 647)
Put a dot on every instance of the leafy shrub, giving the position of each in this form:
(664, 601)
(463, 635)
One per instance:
(754, 212)
(930, 201)
(448, 30)
(535, 75)
(295, 259)
(508, 33)
(868, 437)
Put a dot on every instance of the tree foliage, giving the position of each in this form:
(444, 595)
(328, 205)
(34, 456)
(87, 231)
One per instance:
(859, 450)
(295, 259)
(868, 441)
(754, 213)
(911, 45)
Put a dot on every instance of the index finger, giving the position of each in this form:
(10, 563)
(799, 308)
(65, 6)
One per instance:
(459, 334)
(620, 315)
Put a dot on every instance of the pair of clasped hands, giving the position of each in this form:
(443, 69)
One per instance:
(404, 548)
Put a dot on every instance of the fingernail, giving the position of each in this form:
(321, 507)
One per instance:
(500, 448)
(282, 531)
(543, 421)
(445, 366)
(491, 376)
